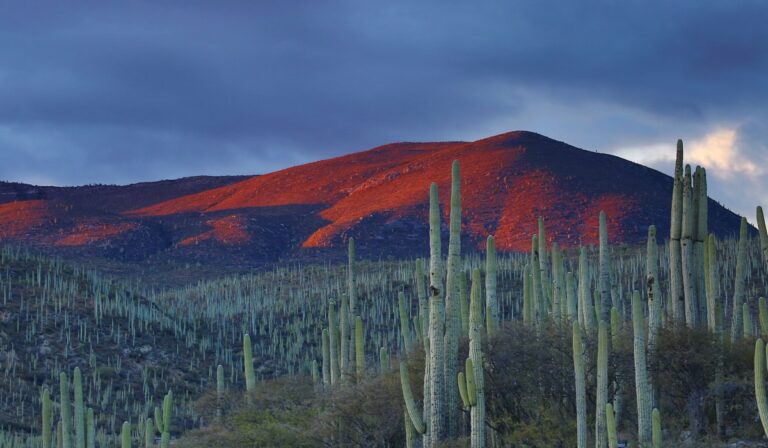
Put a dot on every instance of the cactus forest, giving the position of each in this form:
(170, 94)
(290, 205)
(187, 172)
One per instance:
(659, 345)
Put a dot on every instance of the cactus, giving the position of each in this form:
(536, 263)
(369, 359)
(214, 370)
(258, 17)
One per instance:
(739, 283)
(46, 416)
(250, 376)
(149, 433)
(344, 340)
(477, 412)
(527, 295)
(586, 315)
(605, 271)
(423, 301)
(125, 435)
(404, 323)
(333, 344)
(652, 289)
(410, 402)
(558, 284)
(601, 395)
(326, 358)
(463, 302)
(90, 424)
(436, 377)
(712, 281)
(676, 295)
(748, 326)
(613, 439)
(701, 234)
(763, 317)
(539, 310)
(219, 390)
(79, 409)
(656, 439)
(165, 426)
(491, 305)
(59, 435)
(359, 349)
(642, 386)
(383, 360)
(66, 411)
(544, 261)
(763, 235)
(581, 387)
(760, 367)
(571, 297)
(689, 281)
(452, 305)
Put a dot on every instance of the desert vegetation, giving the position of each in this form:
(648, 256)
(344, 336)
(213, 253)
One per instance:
(660, 345)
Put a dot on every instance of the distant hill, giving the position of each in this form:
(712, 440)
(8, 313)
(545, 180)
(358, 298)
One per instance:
(379, 196)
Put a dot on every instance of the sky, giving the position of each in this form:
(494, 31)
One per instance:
(121, 92)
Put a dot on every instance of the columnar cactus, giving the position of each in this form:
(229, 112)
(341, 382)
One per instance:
(652, 289)
(477, 411)
(642, 386)
(763, 316)
(528, 316)
(491, 304)
(676, 295)
(421, 294)
(344, 340)
(333, 343)
(405, 328)
(165, 425)
(763, 235)
(463, 302)
(739, 282)
(410, 402)
(586, 313)
(546, 283)
(125, 435)
(760, 367)
(604, 284)
(688, 263)
(656, 438)
(326, 358)
(149, 433)
(701, 234)
(452, 306)
(250, 376)
(46, 416)
(539, 309)
(66, 411)
(219, 389)
(90, 423)
(601, 395)
(436, 326)
(359, 349)
(570, 290)
(79, 409)
(558, 284)
(581, 387)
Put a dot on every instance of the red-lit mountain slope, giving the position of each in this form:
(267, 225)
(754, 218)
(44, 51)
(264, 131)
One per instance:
(379, 196)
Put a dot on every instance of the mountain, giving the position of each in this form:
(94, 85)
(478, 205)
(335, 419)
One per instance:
(379, 196)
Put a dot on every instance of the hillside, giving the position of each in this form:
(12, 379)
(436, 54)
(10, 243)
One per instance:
(378, 196)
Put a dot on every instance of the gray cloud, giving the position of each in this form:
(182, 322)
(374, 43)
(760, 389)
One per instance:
(133, 91)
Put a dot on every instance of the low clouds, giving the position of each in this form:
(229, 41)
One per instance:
(123, 92)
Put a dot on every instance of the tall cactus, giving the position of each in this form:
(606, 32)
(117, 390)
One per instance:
(436, 377)
(586, 315)
(676, 295)
(165, 425)
(421, 294)
(546, 282)
(344, 340)
(739, 283)
(405, 328)
(410, 401)
(763, 235)
(66, 411)
(605, 271)
(359, 349)
(581, 387)
(79, 421)
(601, 394)
(491, 304)
(326, 358)
(642, 386)
(250, 376)
(760, 367)
(652, 289)
(452, 306)
(528, 313)
(613, 439)
(656, 438)
(477, 412)
(46, 417)
(701, 234)
(219, 390)
(688, 262)
(539, 310)
(90, 423)
(333, 343)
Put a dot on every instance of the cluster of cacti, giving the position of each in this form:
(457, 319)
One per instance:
(688, 232)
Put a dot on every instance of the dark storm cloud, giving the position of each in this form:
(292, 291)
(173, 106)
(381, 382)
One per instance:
(119, 92)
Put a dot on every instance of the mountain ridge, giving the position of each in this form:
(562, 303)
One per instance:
(379, 196)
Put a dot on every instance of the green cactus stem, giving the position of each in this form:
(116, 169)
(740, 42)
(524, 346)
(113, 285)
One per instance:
(491, 304)
(359, 349)
(46, 416)
(250, 376)
(581, 387)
